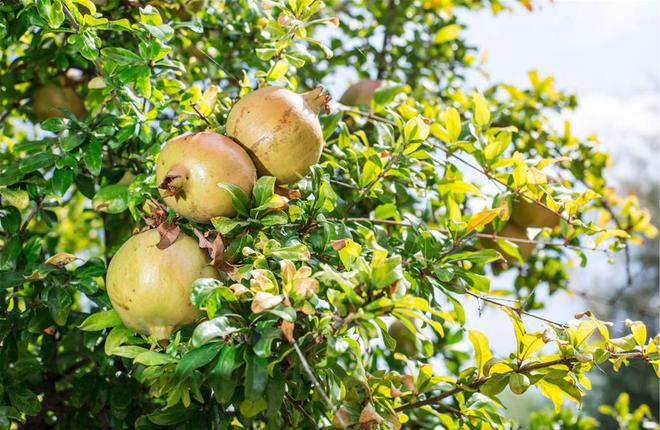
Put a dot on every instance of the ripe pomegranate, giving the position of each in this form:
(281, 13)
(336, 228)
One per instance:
(150, 288)
(529, 214)
(190, 167)
(280, 129)
(514, 231)
(48, 98)
(361, 93)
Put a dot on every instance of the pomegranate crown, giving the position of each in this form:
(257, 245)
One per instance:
(317, 99)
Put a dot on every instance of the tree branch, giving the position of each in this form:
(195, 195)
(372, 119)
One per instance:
(474, 386)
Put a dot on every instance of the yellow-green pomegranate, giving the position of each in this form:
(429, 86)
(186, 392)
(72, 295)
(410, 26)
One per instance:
(280, 129)
(529, 214)
(514, 231)
(49, 98)
(406, 341)
(361, 93)
(150, 288)
(190, 167)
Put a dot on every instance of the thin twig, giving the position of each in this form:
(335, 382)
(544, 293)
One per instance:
(567, 361)
(319, 387)
(492, 236)
(199, 114)
(513, 308)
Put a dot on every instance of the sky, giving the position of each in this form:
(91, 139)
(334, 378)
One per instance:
(608, 53)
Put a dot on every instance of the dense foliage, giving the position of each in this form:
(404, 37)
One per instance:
(395, 225)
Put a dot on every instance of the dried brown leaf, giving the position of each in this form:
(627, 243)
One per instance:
(369, 418)
(287, 329)
(286, 192)
(215, 246)
(61, 259)
(338, 244)
(168, 234)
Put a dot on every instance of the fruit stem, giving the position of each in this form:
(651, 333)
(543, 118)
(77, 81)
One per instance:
(316, 100)
(174, 180)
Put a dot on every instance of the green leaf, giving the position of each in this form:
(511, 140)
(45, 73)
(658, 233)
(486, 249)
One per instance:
(197, 358)
(100, 320)
(71, 139)
(51, 11)
(153, 358)
(386, 93)
(481, 349)
(120, 55)
(263, 190)
(55, 124)
(59, 303)
(93, 156)
(256, 377)
(112, 199)
(24, 400)
(220, 377)
(239, 199)
(61, 181)
(496, 384)
(298, 252)
(210, 330)
(250, 408)
(226, 225)
(266, 337)
(202, 289)
(118, 336)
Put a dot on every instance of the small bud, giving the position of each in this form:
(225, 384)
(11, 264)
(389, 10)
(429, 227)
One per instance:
(284, 20)
(334, 21)
(582, 314)
(549, 335)
(584, 358)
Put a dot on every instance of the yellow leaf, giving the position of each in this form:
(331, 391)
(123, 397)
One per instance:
(209, 98)
(453, 124)
(278, 70)
(481, 110)
(553, 393)
(447, 33)
(638, 330)
(17, 198)
(482, 218)
(481, 349)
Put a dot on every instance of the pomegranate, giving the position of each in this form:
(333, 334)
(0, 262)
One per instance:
(514, 231)
(529, 214)
(150, 288)
(361, 93)
(189, 8)
(406, 341)
(190, 167)
(48, 98)
(280, 129)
